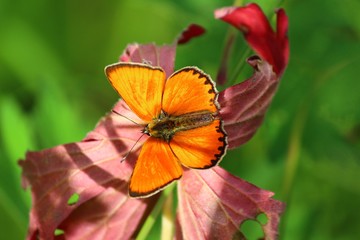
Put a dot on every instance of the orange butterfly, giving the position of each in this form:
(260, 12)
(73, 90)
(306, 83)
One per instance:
(181, 116)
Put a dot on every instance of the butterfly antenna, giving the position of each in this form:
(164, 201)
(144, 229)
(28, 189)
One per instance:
(125, 117)
(127, 154)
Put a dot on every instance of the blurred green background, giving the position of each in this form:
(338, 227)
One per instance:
(53, 90)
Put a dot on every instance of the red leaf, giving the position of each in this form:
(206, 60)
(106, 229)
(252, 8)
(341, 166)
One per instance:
(271, 46)
(91, 169)
(114, 126)
(162, 56)
(213, 204)
(109, 215)
(243, 106)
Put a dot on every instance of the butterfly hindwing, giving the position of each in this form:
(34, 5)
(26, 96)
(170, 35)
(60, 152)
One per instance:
(140, 86)
(155, 168)
(201, 147)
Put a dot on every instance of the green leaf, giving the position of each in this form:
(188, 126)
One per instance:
(16, 139)
(57, 118)
(16, 134)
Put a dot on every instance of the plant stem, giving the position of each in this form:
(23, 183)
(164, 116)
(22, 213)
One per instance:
(150, 221)
(293, 152)
(167, 220)
(240, 66)
(292, 159)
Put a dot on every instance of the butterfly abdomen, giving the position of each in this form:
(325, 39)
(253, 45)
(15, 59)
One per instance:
(166, 126)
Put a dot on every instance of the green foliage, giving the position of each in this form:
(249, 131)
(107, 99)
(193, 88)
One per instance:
(53, 90)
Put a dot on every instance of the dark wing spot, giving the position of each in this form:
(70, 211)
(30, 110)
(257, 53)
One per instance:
(221, 139)
(207, 80)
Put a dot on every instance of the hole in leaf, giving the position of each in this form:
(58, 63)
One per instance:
(262, 218)
(252, 229)
(73, 199)
(58, 232)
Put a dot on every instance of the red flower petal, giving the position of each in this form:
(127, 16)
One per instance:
(193, 30)
(243, 106)
(271, 46)
(213, 204)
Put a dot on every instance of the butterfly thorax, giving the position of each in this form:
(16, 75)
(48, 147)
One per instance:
(166, 126)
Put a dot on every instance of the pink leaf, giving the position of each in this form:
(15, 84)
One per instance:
(162, 56)
(243, 106)
(114, 126)
(91, 169)
(213, 204)
(109, 215)
(271, 46)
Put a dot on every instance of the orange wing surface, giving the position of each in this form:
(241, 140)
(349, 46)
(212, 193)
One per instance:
(189, 90)
(140, 86)
(201, 147)
(155, 168)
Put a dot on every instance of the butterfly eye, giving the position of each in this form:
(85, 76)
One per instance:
(146, 130)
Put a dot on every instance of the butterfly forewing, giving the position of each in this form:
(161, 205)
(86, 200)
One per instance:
(189, 90)
(140, 86)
